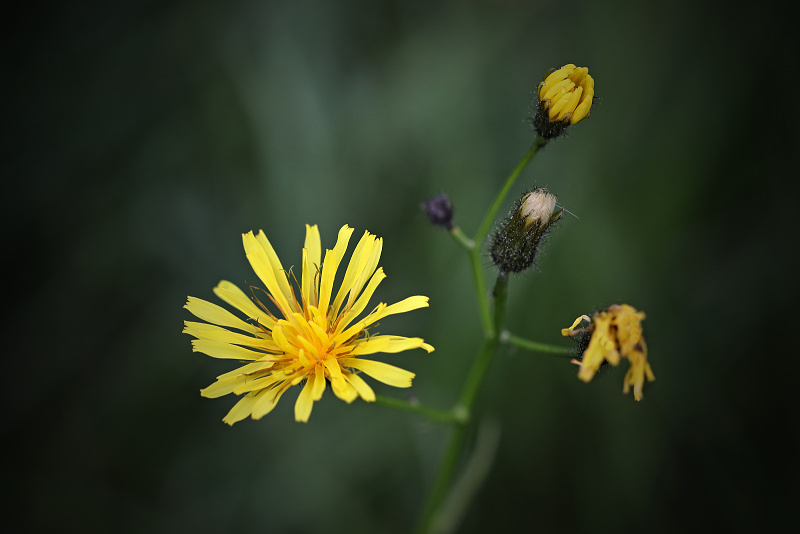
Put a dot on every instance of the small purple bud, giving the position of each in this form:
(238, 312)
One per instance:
(439, 210)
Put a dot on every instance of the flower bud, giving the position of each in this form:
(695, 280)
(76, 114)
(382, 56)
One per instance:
(439, 210)
(613, 334)
(515, 245)
(565, 97)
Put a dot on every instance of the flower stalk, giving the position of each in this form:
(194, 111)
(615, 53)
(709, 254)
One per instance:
(493, 322)
(452, 417)
(455, 444)
(534, 346)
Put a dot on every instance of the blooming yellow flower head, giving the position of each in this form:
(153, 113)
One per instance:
(315, 337)
(565, 98)
(615, 333)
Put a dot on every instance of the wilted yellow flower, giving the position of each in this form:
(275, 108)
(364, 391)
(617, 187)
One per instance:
(565, 98)
(316, 338)
(615, 333)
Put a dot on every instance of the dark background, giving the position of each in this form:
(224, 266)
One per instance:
(140, 139)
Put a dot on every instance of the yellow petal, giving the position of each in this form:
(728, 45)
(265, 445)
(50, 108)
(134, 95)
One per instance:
(279, 338)
(219, 349)
(308, 347)
(561, 87)
(367, 272)
(582, 111)
(344, 390)
(240, 410)
(308, 290)
(578, 75)
(202, 309)
(648, 372)
(249, 384)
(571, 103)
(555, 77)
(305, 401)
(221, 387)
(329, 267)
(267, 400)
(558, 103)
(218, 333)
(234, 296)
(362, 301)
(312, 266)
(334, 369)
(355, 268)
(277, 268)
(389, 344)
(259, 261)
(361, 387)
(381, 311)
(313, 245)
(319, 386)
(247, 369)
(383, 372)
(319, 333)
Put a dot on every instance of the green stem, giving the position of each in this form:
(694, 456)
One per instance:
(483, 229)
(443, 477)
(465, 406)
(474, 254)
(481, 364)
(439, 416)
(534, 346)
(466, 485)
(500, 298)
(462, 239)
(480, 292)
(492, 326)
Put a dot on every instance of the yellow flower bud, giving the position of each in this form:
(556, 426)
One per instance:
(565, 97)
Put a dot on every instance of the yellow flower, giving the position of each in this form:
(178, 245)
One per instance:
(565, 98)
(316, 338)
(615, 333)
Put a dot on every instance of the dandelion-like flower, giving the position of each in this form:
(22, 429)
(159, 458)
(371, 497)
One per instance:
(615, 333)
(316, 336)
(565, 98)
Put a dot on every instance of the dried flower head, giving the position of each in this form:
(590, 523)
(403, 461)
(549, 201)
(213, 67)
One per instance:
(614, 333)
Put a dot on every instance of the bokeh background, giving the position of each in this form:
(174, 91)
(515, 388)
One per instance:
(140, 139)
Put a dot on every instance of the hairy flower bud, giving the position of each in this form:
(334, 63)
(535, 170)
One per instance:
(439, 210)
(515, 245)
(565, 97)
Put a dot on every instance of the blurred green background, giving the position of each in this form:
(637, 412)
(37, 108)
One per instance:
(142, 138)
